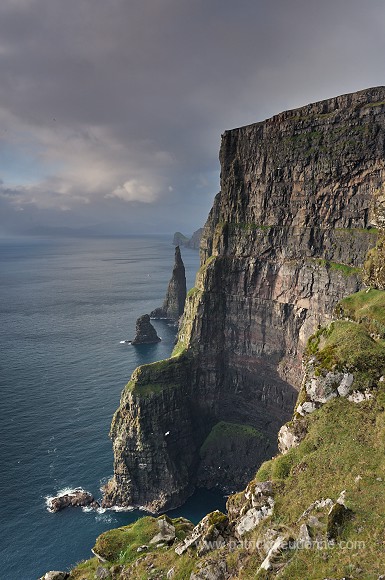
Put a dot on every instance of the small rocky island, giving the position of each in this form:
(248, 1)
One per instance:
(193, 242)
(174, 302)
(75, 498)
(145, 332)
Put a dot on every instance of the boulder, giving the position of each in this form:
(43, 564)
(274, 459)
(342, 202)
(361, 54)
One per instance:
(215, 570)
(102, 573)
(279, 545)
(210, 534)
(338, 515)
(166, 533)
(254, 516)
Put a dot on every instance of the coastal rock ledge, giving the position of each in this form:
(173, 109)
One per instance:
(301, 198)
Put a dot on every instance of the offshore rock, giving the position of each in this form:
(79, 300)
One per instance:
(193, 242)
(174, 302)
(180, 239)
(300, 203)
(77, 498)
(145, 332)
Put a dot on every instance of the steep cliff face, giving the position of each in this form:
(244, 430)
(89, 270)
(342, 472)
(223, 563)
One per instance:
(175, 299)
(301, 195)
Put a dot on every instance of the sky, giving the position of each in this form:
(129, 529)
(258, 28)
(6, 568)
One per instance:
(111, 112)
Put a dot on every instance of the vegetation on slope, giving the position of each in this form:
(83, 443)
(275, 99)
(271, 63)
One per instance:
(230, 431)
(342, 449)
(119, 548)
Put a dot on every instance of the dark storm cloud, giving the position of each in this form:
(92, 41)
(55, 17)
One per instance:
(120, 102)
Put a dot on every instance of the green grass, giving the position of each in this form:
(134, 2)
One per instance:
(164, 374)
(344, 441)
(377, 104)
(204, 266)
(193, 291)
(224, 430)
(119, 547)
(344, 449)
(179, 349)
(344, 269)
(347, 346)
(366, 307)
(85, 570)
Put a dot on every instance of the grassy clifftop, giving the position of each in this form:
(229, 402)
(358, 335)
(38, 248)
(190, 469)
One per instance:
(326, 503)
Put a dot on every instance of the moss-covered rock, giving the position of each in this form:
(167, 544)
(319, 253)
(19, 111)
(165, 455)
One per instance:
(337, 518)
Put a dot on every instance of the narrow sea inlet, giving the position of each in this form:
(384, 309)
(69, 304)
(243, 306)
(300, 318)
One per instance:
(65, 307)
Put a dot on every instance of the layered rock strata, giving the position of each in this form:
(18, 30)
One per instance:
(174, 302)
(284, 242)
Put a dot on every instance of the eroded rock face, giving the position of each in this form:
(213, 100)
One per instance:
(174, 302)
(283, 244)
(145, 332)
(210, 534)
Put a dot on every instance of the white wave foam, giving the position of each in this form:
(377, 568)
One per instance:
(105, 518)
(61, 493)
(86, 509)
(121, 508)
(144, 509)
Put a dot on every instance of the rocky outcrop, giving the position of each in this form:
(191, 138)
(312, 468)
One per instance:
(174, 302)
(193, 242)
(55, 575)
(211, 533)
(76, 498)
(301, 197)
(179, 239)
(145, 332)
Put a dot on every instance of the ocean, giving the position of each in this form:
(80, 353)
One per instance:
(65, 305)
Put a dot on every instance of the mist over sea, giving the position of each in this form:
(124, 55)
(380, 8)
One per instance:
(65, 305)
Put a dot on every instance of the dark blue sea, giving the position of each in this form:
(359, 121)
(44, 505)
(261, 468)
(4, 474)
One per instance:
(65, 305)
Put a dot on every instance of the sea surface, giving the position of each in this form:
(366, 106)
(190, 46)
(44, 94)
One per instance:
(65, 305)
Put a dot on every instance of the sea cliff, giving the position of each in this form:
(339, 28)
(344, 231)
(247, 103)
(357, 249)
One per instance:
(300, 202)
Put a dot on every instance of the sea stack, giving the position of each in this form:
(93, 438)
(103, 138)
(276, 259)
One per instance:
(173, 304)
(145, 332)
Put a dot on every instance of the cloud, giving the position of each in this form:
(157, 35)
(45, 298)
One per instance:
(105, 104)
(133, 190)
